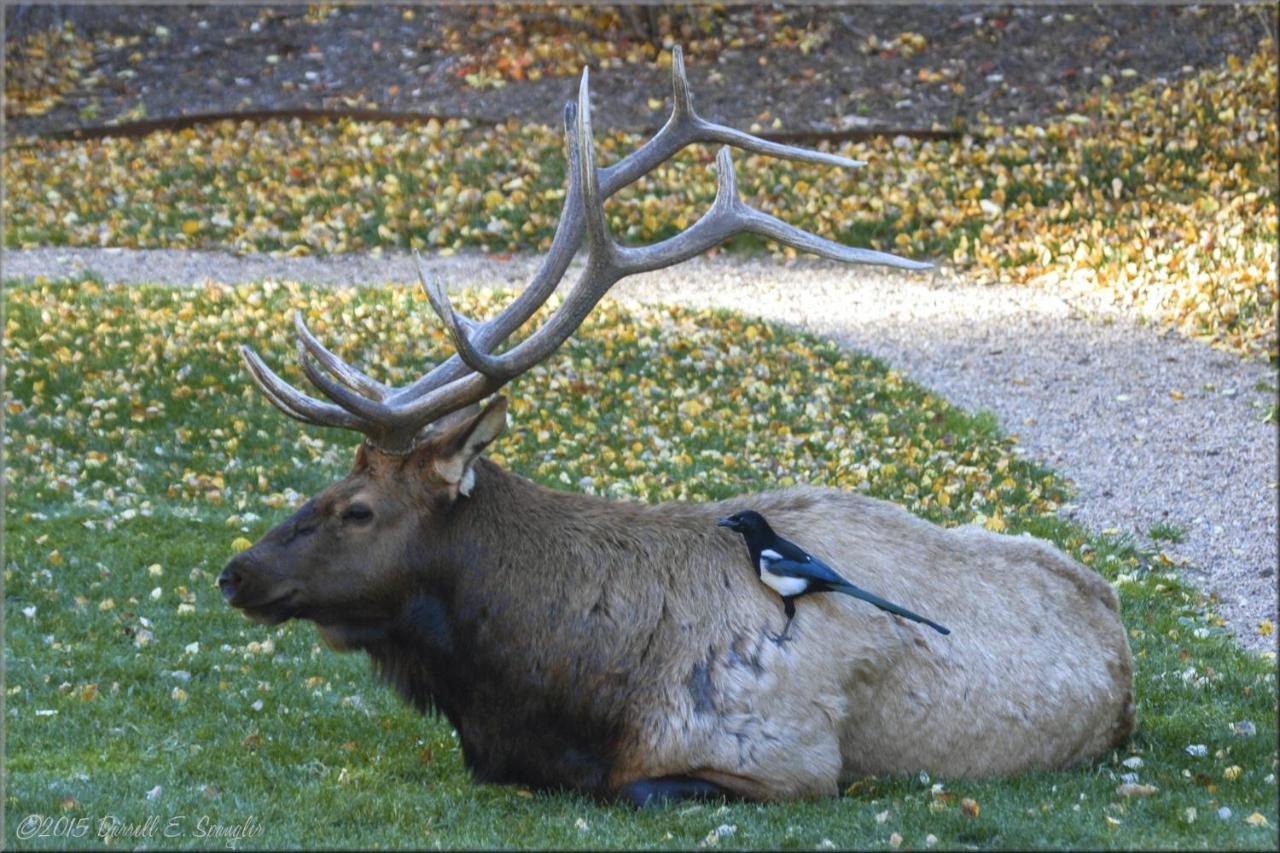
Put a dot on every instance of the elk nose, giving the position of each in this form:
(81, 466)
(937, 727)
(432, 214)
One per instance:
(229, 581)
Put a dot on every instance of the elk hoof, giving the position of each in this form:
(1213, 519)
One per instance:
(648, 793)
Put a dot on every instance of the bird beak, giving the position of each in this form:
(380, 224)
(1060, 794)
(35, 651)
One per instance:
(725, 522)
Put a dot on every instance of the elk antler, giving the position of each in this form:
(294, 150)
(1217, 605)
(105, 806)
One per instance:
(392, 418)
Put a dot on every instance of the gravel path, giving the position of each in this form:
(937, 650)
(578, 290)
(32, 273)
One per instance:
(1151, 428)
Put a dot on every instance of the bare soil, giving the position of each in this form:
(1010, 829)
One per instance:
(1004, 63)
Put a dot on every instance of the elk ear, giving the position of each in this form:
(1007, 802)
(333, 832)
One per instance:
(457, 449)
(362, 458)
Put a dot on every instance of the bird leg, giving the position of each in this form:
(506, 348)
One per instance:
(789, 607)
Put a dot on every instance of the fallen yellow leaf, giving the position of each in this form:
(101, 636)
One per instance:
(1134, 789)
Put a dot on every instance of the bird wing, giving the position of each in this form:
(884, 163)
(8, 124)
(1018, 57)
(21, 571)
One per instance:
(788, 550)
(789, 560)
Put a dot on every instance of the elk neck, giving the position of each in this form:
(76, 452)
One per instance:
(525, 591)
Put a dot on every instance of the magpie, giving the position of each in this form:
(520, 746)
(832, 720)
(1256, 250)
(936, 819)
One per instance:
(789, 571)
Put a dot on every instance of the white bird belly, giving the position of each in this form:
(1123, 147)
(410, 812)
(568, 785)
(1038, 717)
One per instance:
(781, 584)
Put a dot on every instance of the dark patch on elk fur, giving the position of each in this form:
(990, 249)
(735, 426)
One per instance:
(436, 671)
(739, 656)
(429, 620)
(701, 689)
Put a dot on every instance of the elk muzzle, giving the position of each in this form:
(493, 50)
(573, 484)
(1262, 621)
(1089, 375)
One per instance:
(247, 587)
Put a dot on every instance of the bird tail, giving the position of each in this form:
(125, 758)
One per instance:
(888, 606)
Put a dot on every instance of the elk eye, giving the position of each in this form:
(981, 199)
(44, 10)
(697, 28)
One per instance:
(357, 513)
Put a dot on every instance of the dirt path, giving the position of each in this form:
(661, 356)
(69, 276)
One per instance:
(1153, 429)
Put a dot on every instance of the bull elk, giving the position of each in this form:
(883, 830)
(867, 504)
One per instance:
(621, 649)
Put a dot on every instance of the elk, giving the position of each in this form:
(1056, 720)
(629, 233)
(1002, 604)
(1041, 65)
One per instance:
(621, 649)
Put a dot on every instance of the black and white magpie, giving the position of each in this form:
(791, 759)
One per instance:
(791, 572)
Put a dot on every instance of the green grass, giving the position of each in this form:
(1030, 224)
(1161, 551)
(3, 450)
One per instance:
(1167, 532)
(143, 452)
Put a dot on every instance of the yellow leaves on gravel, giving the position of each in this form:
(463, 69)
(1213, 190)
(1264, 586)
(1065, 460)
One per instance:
(1163, 199)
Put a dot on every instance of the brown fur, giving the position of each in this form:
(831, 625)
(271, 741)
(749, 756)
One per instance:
(588, 644)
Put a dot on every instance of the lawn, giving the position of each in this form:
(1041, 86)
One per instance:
(139, 458)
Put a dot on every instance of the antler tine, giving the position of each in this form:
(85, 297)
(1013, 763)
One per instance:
(584, 182)
(408, 417)
(681, 98)
(682, 111)
(458, 326)
(293, 402)
(730, 215)
(608, 261)
(564, 246)
(601, 273)
(393, 428)
(349, 375)
(684, 127)
(359, 405)
(599, 244)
